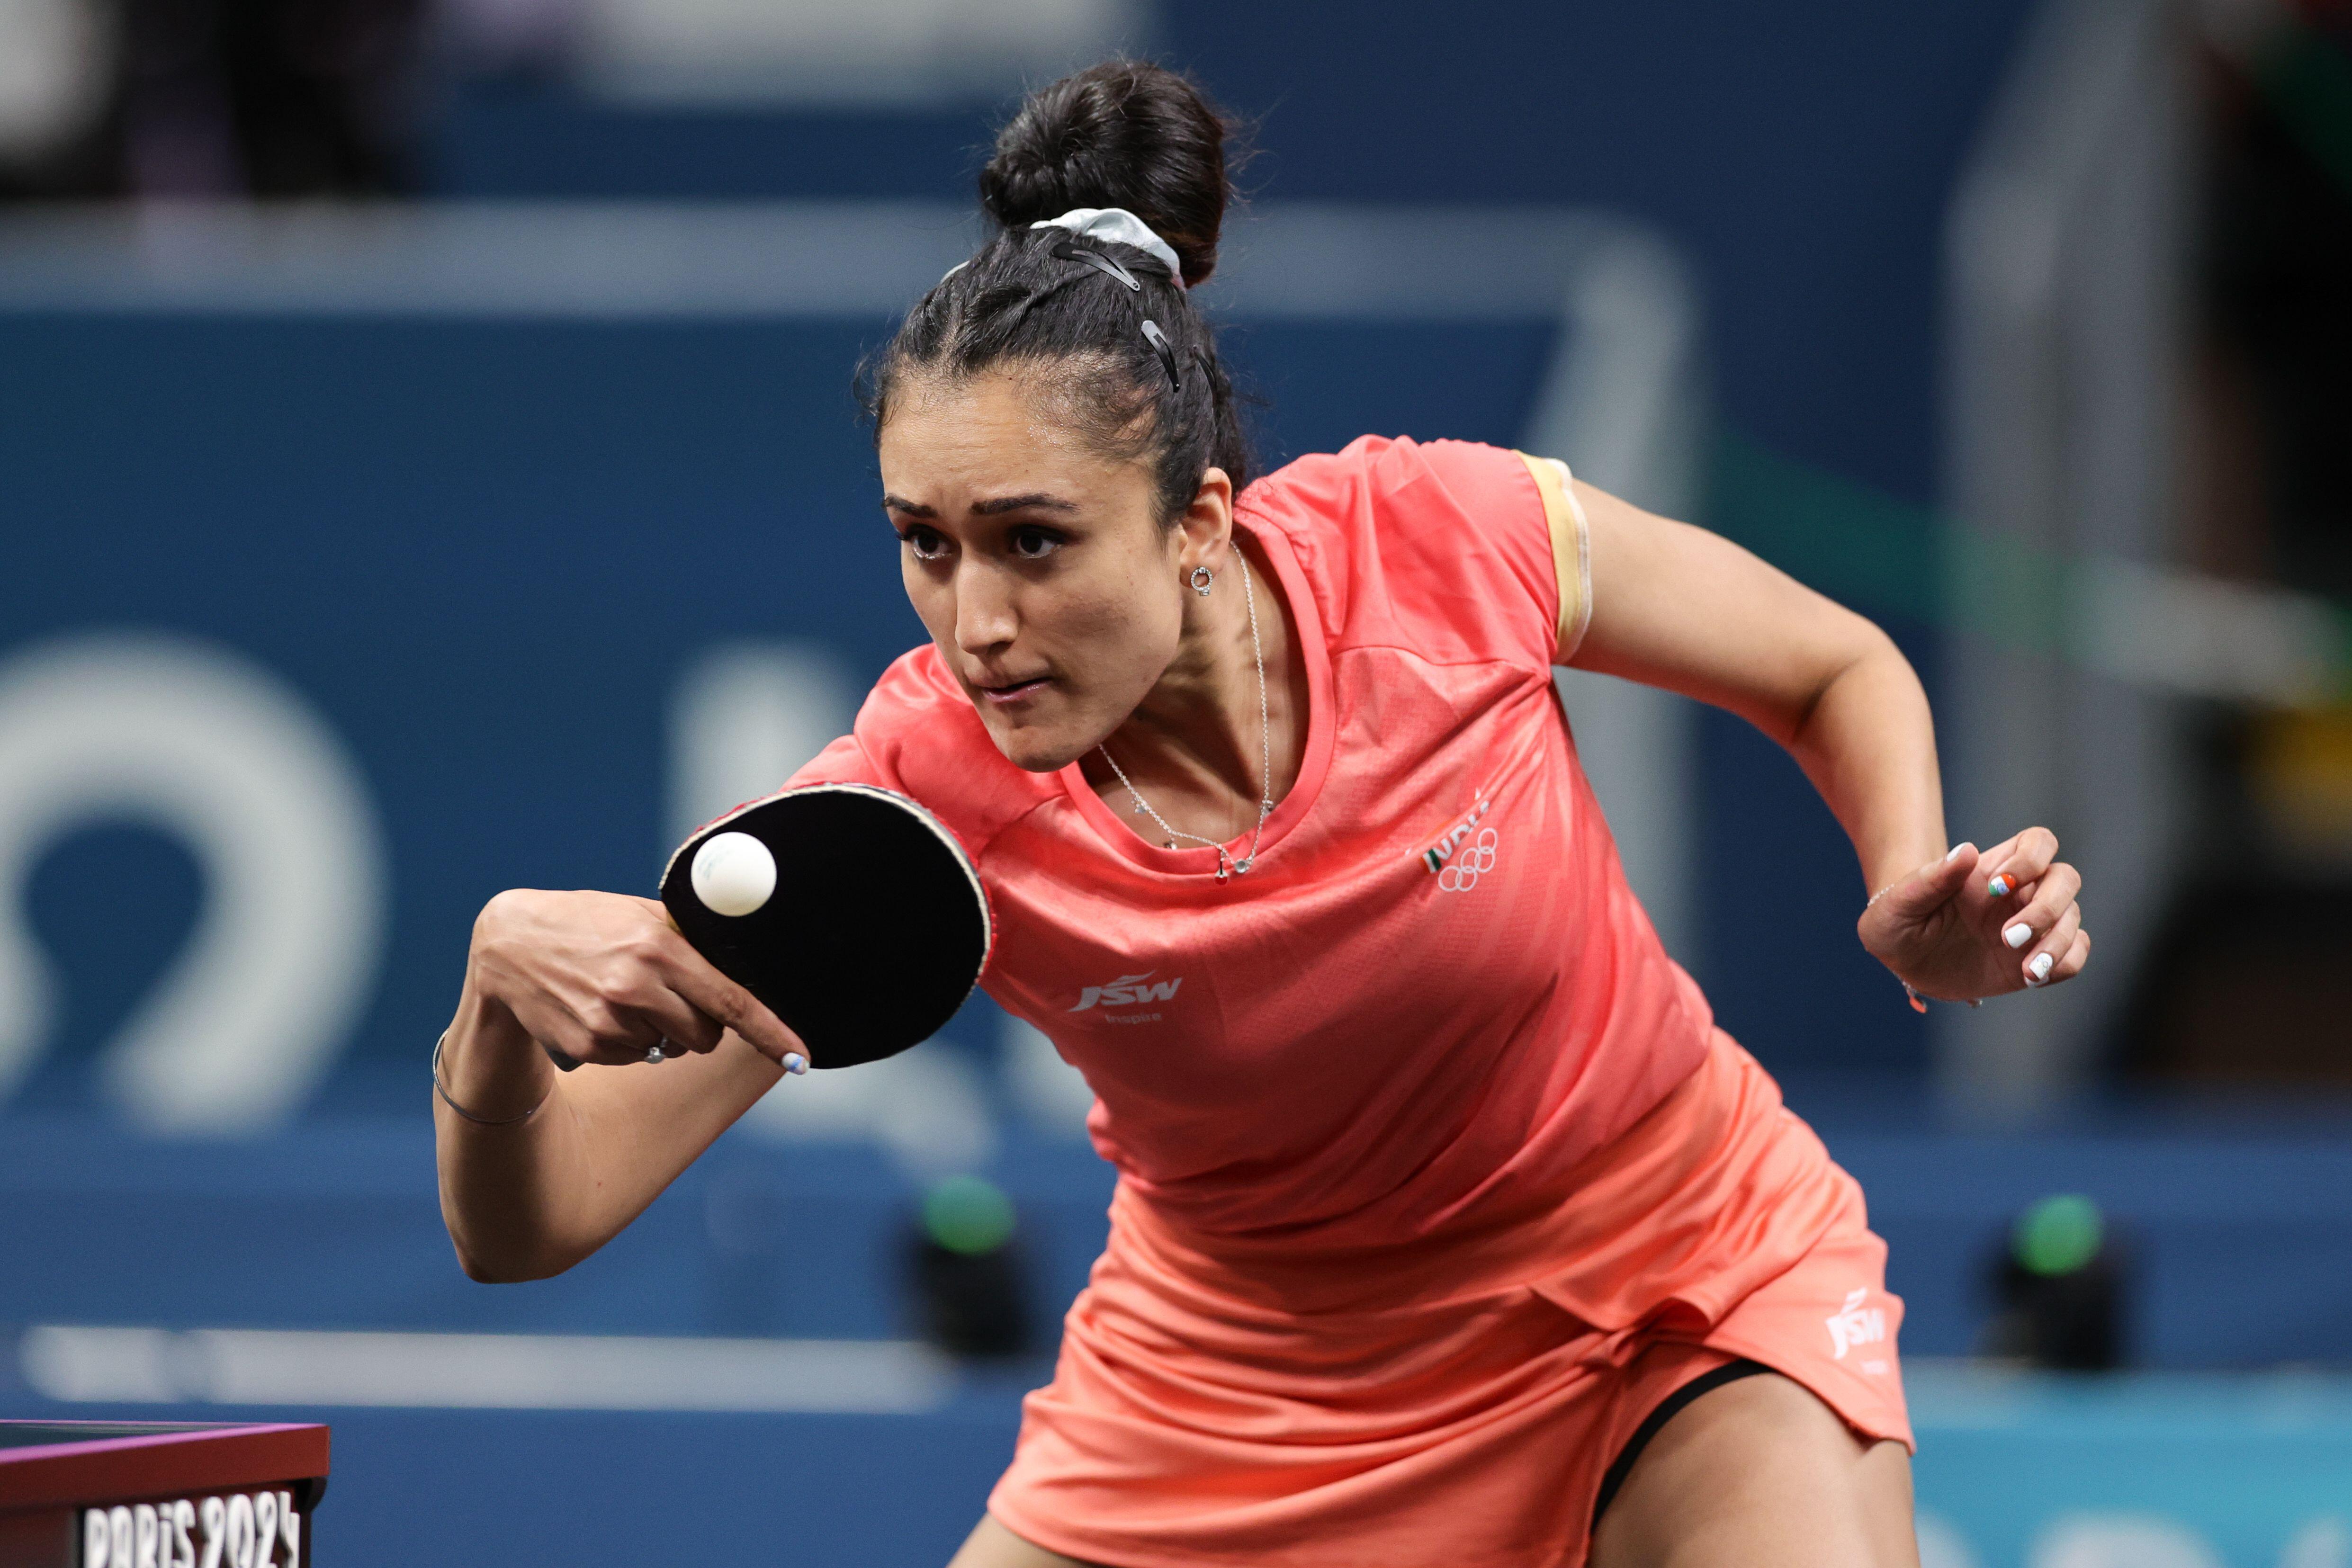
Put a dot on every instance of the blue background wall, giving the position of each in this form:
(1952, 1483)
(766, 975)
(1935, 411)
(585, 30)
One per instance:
(1800, 154)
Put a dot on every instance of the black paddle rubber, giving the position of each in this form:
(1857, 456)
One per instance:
(877, 929)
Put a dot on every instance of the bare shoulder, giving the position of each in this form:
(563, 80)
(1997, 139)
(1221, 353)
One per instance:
(1678, 606)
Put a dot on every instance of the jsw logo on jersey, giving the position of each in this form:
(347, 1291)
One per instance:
(1129, 991)
(1855, 1325)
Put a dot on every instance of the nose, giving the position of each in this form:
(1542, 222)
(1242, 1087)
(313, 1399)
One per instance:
(984, 621)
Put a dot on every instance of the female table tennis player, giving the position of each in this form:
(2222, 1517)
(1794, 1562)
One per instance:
(1449, 1229)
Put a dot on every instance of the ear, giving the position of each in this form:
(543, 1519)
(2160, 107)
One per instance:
(1204, 533)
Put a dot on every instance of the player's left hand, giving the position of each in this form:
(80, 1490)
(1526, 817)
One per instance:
(1983, 923)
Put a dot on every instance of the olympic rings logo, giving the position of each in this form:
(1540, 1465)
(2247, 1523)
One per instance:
(1470, 862)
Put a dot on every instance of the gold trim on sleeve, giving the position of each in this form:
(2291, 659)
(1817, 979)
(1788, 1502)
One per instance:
(1572, 550)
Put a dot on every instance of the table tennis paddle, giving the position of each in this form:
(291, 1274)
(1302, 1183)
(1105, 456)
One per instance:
(849, 910)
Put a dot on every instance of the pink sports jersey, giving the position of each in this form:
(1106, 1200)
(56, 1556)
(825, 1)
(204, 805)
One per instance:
(1434, 994)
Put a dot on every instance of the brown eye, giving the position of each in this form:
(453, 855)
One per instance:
(1034, 544)
(926, 543)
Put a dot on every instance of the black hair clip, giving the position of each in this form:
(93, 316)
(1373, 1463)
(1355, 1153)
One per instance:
(1099, 262)
(1158, 342)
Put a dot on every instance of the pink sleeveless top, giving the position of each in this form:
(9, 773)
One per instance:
(1434, 994)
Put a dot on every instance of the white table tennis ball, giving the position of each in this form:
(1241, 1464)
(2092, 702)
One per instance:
(733, 873)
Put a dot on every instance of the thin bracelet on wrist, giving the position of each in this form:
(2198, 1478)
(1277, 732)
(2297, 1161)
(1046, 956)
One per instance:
(1919, 1002)
(479, 1121)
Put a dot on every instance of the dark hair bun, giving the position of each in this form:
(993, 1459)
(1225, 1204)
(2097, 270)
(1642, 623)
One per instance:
(1124, 133)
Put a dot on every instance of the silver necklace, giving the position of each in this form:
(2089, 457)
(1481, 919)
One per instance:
(1226, 864)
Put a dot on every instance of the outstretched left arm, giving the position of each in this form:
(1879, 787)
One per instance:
(1674, 606)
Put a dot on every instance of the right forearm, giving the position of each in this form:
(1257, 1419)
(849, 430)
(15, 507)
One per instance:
(507, 1191)
(546, 1167)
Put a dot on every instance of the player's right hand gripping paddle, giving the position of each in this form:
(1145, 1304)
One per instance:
(850, 911)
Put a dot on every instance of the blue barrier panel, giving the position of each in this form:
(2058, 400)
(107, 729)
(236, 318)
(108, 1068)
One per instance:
(2146, 1471)
(336, 1225)
(2014, 1471)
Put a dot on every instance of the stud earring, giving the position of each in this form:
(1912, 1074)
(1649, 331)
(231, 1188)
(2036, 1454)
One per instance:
(1201, 578)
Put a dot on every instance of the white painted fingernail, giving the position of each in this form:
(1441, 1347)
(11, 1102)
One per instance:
(1999, 886)
(2019, 935)
(795, 1062)
(1954, 852)
(2041, 966)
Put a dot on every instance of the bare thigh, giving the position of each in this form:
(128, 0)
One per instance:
(1759, 1474)
(990, 1545)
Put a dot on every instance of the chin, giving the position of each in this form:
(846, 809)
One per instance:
(1034, 752)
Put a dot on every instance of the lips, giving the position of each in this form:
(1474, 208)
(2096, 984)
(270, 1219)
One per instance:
(1014, 691)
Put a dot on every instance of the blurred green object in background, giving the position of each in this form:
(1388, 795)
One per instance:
(967, 1214)
(2058, 1235)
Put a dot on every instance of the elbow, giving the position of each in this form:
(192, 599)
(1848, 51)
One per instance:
(485, 1267)
(512, 1266)
(504, 1254)
(499, 1241)
(1870, 655)
(1879, 643)
(484, 1270)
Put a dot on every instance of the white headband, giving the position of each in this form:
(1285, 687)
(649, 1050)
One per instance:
(1118, 224)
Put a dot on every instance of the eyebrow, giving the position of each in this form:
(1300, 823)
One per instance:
(1038, 501)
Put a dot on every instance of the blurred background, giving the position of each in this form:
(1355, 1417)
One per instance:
(428, 466)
